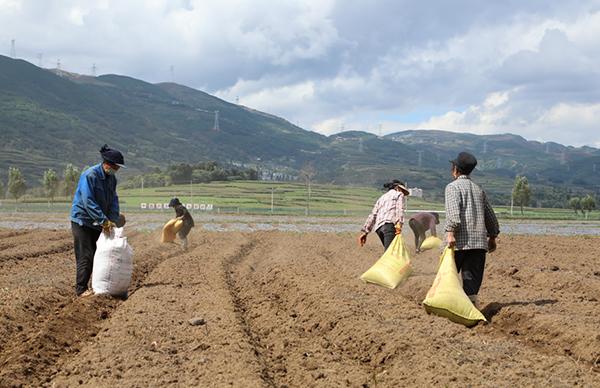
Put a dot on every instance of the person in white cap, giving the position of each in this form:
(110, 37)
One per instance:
(387, 216)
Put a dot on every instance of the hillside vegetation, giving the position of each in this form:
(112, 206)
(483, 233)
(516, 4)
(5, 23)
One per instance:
(51, 118)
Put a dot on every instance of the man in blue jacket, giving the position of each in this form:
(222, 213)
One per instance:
(95, 209)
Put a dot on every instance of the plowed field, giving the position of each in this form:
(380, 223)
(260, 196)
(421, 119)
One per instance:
(288, 309)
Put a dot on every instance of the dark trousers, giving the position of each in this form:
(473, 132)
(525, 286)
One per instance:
(386, 233)
(85, 247)
(419, 232)
(471, 263)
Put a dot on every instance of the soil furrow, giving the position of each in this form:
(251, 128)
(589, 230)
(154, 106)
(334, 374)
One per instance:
(240, 308)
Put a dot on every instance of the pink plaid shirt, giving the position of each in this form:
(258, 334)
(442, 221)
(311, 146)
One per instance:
(389, 207)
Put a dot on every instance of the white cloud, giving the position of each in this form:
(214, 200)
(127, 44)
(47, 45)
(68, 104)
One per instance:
(499, 66)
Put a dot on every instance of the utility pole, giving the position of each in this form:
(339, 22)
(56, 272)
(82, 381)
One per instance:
(13, 49)
(216, 126)
(142, 185)
(272, 199)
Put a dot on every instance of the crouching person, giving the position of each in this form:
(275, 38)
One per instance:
(188, 222)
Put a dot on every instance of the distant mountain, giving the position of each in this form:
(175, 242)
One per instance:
(49, 118)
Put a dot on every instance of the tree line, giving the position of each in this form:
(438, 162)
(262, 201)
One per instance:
(54, 185)
(51, 183)
(183, 173)
(521, 196)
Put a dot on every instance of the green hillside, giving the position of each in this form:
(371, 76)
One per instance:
(51, 118)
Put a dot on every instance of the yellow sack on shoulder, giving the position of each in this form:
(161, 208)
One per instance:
(170, 230)
(392, 268)
(446, 296)
(431, 242)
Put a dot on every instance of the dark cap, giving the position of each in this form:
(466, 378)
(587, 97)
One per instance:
(465, 162)
(112, 156)
(174, 202)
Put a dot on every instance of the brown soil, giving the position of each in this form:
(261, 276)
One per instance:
(287, 309)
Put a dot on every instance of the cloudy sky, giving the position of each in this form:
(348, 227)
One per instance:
(526, 67)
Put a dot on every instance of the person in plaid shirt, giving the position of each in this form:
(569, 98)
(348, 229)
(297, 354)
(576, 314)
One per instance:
(387, 216)
(471, 225)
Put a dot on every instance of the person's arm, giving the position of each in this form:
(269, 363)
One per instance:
(370, 222)
(400, 210)
(432, 224)
(452, 200)
(114, 210)
(491, 224)
(86, 186)
(368, 226)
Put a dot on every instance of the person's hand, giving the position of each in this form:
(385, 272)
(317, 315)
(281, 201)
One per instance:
(362, 239)
(491, 244)
(398, 227)
(450, 240)
(121, 221)
(107, 226)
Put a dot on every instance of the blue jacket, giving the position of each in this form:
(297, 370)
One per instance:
(95, 199)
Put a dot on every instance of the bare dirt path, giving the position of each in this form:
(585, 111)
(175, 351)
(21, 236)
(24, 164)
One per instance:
(287, 309)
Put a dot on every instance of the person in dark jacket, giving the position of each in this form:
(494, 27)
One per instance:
(420, 223)
(95, 209)
(188, 222)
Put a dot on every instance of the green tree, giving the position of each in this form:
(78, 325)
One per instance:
(575, 204)
(50, 183)
(70, 179)
(588, 203)
(521, 193)
(16, 183)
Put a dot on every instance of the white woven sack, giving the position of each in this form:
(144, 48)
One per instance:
(113, 264)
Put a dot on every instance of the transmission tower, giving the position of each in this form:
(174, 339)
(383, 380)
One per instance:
(237, 100)
(13, 49)
(94, 70)
(58, 64)
(216, 126)
(420, 157)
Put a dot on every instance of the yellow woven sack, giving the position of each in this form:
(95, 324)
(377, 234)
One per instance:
(446, 296)
(431, 242)
(170, 230)
(392, 268)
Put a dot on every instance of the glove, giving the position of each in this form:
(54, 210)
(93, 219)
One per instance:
(107, 226)
(398, 227)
